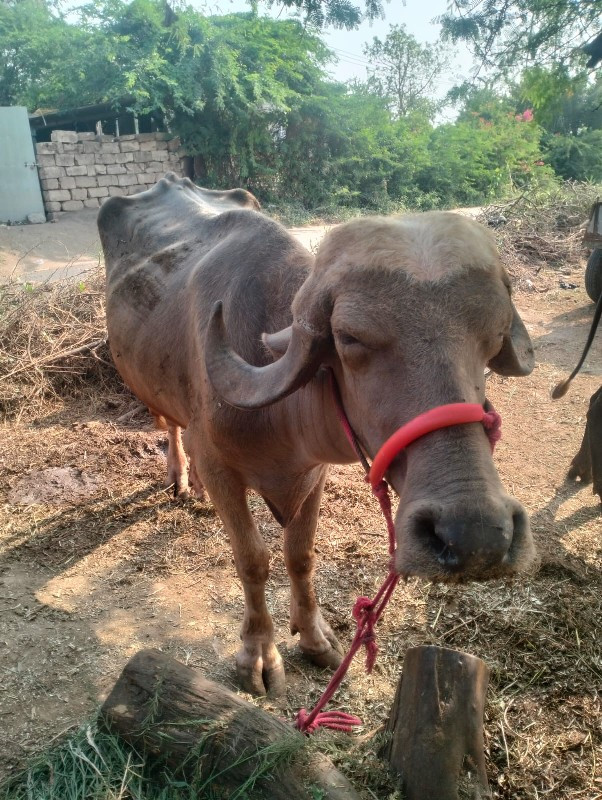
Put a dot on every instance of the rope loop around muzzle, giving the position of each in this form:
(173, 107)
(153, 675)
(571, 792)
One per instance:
(445, 416)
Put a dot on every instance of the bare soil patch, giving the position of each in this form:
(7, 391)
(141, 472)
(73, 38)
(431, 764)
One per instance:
(51, 250)
(87, 581)
(54, 486)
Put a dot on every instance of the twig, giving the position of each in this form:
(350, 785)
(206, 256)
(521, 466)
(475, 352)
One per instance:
(55, 357)
(131, 413)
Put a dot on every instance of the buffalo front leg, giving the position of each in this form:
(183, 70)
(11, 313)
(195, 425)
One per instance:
(258, 662)
(316, 638)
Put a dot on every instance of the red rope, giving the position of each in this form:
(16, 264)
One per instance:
(440, 417)
(367, 612)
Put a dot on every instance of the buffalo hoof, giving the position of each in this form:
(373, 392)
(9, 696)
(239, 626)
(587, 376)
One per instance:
(256, 678)
(580, 469)
(328, 659)
(179, 486)
(318, 642)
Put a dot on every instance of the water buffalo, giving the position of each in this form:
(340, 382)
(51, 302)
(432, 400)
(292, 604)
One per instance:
(406, 311)
(587, 463)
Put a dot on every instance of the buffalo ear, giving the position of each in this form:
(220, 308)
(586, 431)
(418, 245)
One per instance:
(516, 356)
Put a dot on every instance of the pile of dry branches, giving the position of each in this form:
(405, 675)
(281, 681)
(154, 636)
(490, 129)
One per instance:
(537, 232)
(53, 343)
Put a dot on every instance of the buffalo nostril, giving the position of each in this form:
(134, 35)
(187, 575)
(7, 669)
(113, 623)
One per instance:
(464, 540)
(448, 558)
(468, 543)
(425, 529)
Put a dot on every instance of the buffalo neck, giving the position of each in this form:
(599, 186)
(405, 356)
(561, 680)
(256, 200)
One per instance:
(310, 415)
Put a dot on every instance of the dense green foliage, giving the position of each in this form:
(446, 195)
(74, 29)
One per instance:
(569, 110)
(517, 34)
(251, 99)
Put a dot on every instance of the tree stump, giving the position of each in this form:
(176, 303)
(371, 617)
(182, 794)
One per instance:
(436, 726)
(205, 732)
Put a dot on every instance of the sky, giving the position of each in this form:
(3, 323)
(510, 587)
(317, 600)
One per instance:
(417, 15)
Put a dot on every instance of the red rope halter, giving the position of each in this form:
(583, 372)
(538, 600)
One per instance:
(367, 612)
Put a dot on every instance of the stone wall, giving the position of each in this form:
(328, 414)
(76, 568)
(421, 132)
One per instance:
(81, 170)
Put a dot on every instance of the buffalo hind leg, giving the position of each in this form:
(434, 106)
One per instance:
(258, 662)
(594, 424)
(316, 638)
(177, 462)
(581, 465)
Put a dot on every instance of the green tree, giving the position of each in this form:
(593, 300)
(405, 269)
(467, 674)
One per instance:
(404, 71)
(377, 157)
(44, 61)
(569, 111)
(515, 34)
(335, 13)
(562, 103)
(575, 157)
(487, 153)
(252, 78)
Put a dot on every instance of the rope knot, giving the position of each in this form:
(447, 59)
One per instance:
(492, 422)
(363, 611)
(302, 724)
(366, 618)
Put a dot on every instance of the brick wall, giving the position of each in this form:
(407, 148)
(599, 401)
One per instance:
(80, 170)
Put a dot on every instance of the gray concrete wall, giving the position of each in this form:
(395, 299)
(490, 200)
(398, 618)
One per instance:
(82, 170)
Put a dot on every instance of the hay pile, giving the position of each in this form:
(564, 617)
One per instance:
(539, 232)
(53, 344)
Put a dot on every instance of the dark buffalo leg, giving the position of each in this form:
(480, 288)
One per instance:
(594, 424)
(582, 465)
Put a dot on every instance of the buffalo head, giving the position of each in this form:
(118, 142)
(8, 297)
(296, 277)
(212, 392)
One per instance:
(407, 312)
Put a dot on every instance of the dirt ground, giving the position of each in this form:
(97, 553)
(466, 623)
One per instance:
(52, 250)
(97, 561)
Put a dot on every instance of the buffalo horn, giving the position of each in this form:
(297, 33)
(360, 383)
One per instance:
(245, 386)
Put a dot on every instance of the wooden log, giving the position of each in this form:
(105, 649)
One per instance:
(202, 730)
(435, 727)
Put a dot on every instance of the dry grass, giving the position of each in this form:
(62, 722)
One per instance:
(53, 343)
(542, 231)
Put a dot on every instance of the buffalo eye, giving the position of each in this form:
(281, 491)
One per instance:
(347, 339)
